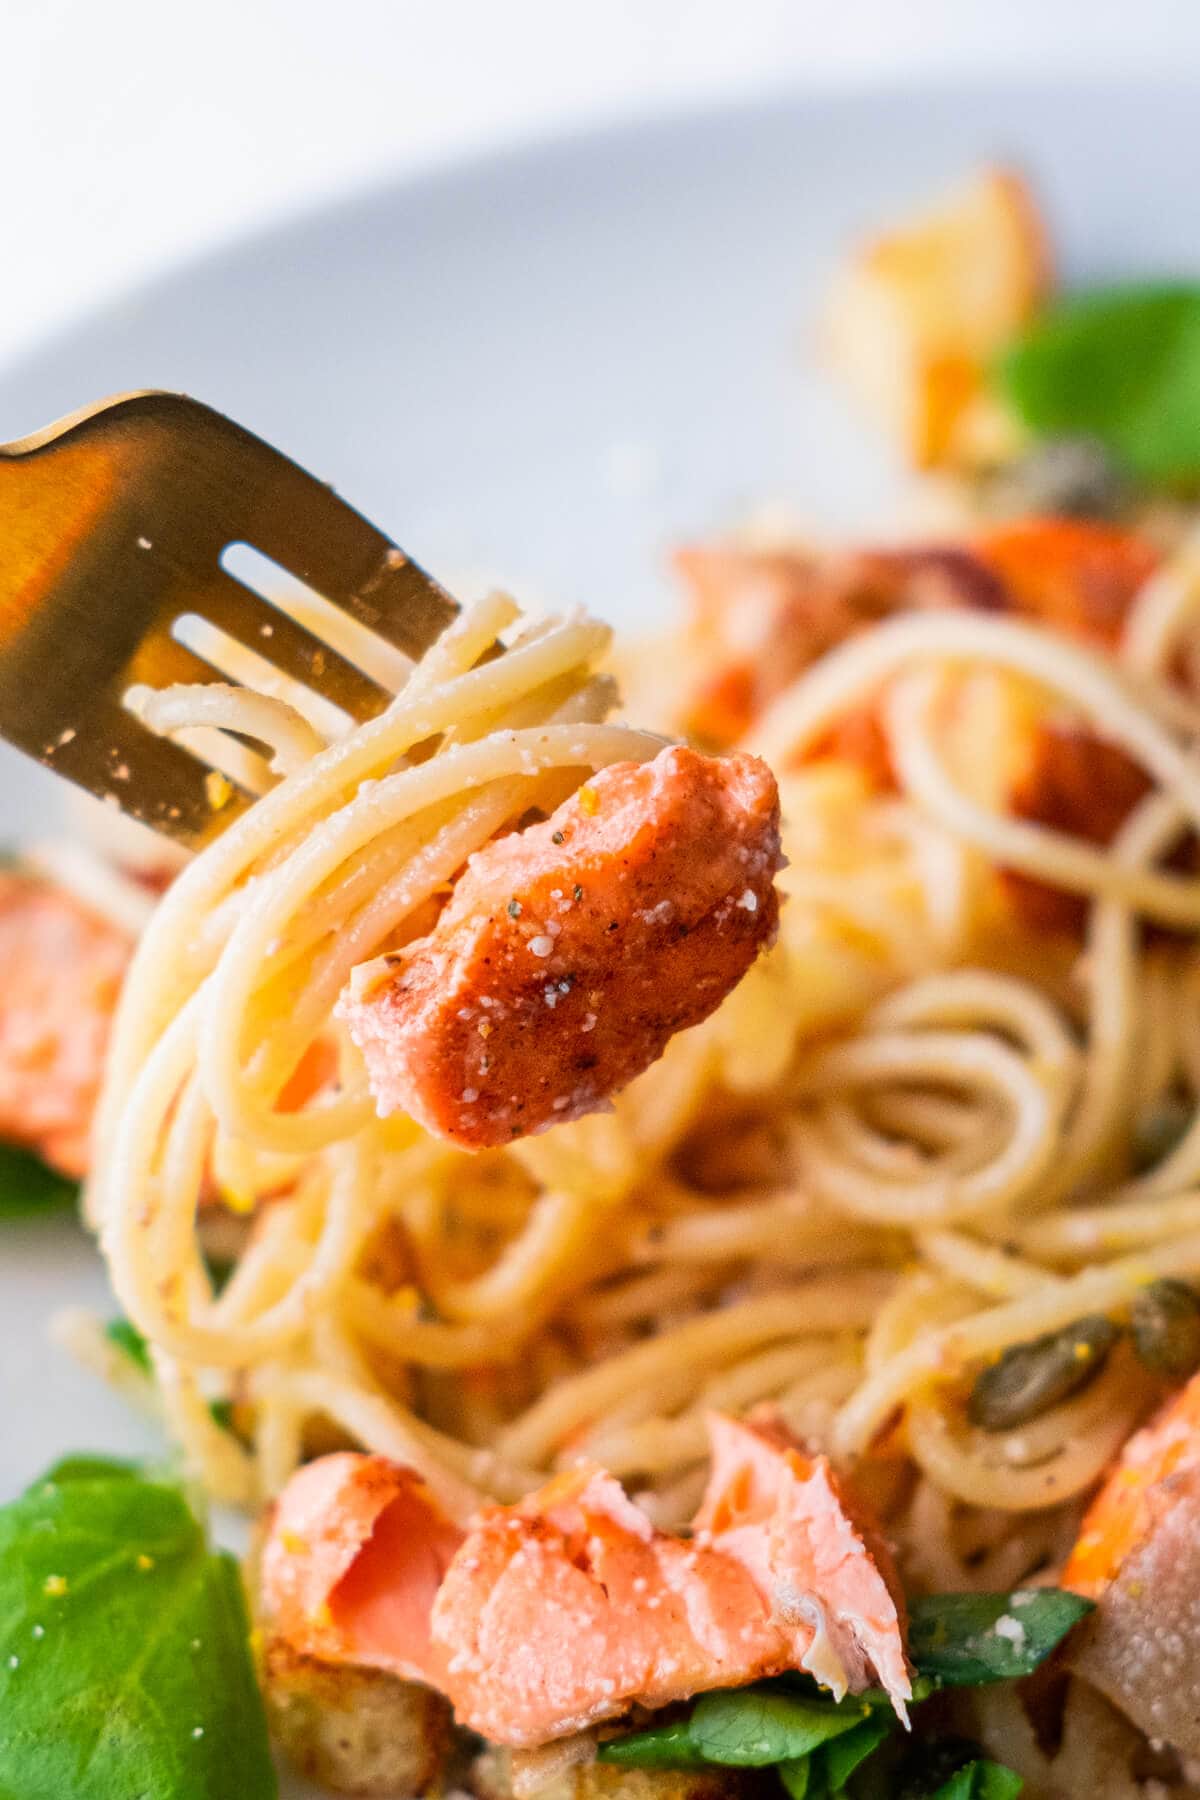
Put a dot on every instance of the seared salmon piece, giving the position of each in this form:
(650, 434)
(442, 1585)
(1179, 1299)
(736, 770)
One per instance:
(62, 970)
(569, 953)
(1079, 576)
(769, 615)
(1136, 1557)
(568, 1608)
(1119, 1517)
(1076, 783)
(766, 616)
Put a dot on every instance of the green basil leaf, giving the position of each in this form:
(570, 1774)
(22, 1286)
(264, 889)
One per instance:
(90, 1468)
(981, 1781)
(1121, 365)
(755, 1726)
(28, 1187)
(953, 1637)
(658, 1747)
(125, 1666)
(953, 1642)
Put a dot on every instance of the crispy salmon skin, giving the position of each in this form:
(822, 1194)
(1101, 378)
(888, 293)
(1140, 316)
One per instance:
(546, 1617)
(569, 953)
(1136, 1557)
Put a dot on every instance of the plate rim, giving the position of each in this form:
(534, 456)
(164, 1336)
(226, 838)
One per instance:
(444, 170)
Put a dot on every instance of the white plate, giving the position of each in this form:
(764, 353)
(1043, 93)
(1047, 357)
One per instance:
(545, 369)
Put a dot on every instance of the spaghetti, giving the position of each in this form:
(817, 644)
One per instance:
(901, 1147)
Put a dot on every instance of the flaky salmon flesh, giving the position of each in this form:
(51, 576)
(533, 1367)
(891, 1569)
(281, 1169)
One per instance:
(62, 971)
(540, 1619)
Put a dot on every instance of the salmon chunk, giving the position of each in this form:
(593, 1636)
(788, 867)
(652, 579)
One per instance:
(1119, 1517)
(1068, 779)
(356, 1552)
(817, 1560)
(768, 616)
(1136, 1556)
(570, 1607)
(569, 953)
(62, 970)
(1079, 576)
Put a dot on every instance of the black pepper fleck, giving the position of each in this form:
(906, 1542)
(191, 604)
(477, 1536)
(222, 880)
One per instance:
(558, 837)
(514, 909)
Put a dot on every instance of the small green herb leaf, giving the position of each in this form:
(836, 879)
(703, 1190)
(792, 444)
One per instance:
(953, 1642)
(954, 1637)
(845, 1754)
(797, 1779)
(124, 1647)
(659, 1747)
(28, 1187)
(756, 1726)
(750, 1727)
(1121, 365)
(221, 1412)
(981, 1781)
(129, 1339)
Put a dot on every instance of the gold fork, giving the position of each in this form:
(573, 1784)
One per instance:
(115, 524)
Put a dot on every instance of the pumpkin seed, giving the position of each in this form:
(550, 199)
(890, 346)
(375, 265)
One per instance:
(1075, 477)
(1165, 1323)
(1028, 1379)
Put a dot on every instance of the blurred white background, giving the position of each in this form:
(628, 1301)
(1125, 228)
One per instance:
(137, 132)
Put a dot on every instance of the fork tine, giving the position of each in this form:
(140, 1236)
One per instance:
(295, 651)
(148, 777)
(161, 661)
(254, 493)
(339, 553)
